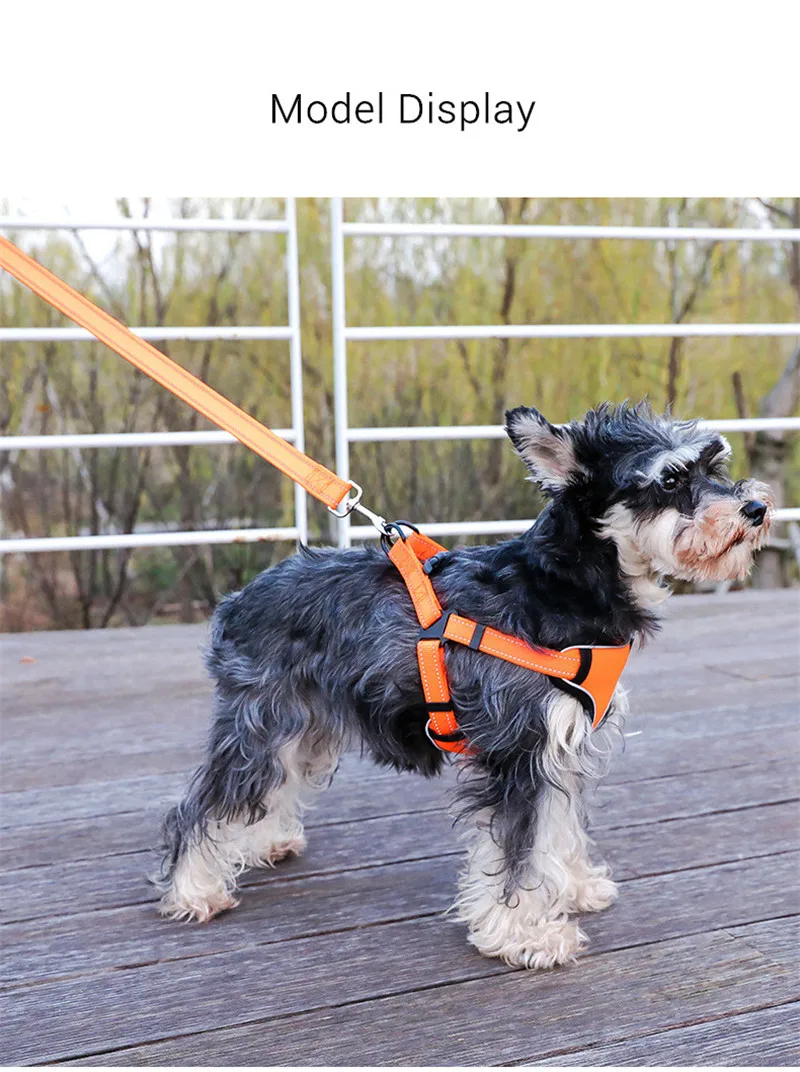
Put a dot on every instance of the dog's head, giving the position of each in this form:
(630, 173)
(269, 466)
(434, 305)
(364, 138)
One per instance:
(659, 488)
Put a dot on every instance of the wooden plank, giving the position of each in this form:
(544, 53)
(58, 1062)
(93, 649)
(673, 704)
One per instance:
(157, 792)
(680, 844)
(119, 661)
(736, 609)
(64, 704)
(172, 653)
(696, 793)
(710, 654)
(510, 1017)
(767, 1037)
(646, 755)
(124, 1007)
(74, 705)
(710, 897)
(99, 797)
(645, 851)
(723, 710)
(650, 755)
(138, 832)
(78, 771)
(138, 754)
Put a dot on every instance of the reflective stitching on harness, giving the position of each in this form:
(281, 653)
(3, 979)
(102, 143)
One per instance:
(422, 659)
(543, 668)
(444, 689)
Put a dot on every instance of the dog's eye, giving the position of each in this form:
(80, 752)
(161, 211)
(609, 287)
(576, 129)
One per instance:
(670, 480)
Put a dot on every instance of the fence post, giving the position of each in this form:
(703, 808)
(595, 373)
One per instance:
(339, 356)
(296, 361)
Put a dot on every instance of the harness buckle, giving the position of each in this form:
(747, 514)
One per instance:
(436, 631)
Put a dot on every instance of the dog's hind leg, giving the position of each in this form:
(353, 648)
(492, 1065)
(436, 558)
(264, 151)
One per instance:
(243, 806)
(309, 764)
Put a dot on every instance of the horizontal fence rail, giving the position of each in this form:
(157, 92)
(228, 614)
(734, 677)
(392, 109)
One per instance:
(569, 331)
(94, 440)
(497, 431)
(143, 223)
(501, 528)
(115, 540)
(569, 231)
(224, 333)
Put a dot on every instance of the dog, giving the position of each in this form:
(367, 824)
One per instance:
(319, 653)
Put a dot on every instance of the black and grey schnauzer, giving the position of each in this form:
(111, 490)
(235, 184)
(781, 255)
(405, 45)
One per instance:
(319, 653)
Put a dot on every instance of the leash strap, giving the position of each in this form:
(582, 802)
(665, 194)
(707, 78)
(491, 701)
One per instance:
(589, 673)
(315, 478)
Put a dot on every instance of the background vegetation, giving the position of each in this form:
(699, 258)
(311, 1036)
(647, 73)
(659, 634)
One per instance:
(149, 278)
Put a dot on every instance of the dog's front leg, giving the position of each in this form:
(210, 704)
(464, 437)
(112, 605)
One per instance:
(573, 756)
(528, 865)
(518, 910)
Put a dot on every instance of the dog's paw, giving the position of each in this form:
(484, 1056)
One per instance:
(546, 944)
(200, 910)
(594, 893)
(280, 850)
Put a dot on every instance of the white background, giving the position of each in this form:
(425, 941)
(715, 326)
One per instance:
(639, 98)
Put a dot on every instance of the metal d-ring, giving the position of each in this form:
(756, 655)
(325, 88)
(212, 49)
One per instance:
(397, 526)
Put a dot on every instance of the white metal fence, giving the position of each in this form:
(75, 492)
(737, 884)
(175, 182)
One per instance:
(342, 334)
(289, 333)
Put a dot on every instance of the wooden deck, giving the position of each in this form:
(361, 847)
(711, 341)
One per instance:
(343, 957)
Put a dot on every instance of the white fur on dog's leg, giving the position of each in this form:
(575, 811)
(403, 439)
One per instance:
(546, 945)
(276, 851)
(531, 929)
(594, 892)
(279, 835)
(573, 755)
(204, 881)
(201, 887)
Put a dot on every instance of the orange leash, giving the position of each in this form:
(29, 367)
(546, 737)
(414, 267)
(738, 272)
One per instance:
(315, 478)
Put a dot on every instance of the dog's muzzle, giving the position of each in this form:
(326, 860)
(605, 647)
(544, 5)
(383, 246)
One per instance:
(755, 512)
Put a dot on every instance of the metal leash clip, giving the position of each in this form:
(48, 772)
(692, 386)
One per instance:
(348, 505)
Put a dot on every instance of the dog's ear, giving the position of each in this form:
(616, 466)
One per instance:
(547, 450)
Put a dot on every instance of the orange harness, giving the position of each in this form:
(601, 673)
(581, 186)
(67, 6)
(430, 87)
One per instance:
(591, 673)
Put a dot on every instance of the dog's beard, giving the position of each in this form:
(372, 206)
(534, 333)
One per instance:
(719, 542)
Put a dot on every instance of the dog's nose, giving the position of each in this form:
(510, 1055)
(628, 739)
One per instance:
(754, 511)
